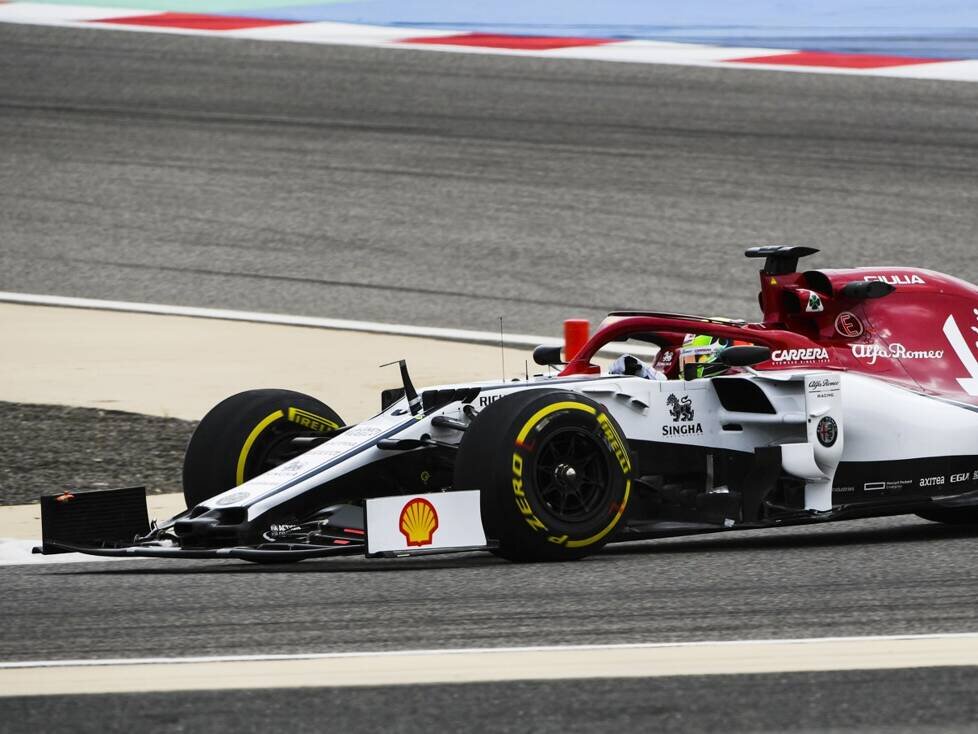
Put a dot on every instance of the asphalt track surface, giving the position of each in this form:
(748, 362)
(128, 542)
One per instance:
(447, 190)
(872, 577)
(927, 700)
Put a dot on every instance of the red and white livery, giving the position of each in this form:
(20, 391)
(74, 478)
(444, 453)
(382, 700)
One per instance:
(856, 395)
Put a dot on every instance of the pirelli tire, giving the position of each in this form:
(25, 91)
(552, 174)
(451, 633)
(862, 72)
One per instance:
(554, 471)
(246, 435)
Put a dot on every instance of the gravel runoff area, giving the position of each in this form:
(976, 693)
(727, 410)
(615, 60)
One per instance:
(50, 448)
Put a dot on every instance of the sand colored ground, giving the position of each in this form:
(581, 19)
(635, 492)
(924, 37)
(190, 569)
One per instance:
(23, 522)
(180, 367)
(54, 678)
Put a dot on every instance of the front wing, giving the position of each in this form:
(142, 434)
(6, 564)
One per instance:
(113, 523)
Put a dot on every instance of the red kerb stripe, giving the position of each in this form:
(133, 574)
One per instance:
(517, 43)
(835, 60)
(196, 21)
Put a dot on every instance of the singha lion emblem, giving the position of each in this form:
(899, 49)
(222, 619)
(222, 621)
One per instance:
(680, 410)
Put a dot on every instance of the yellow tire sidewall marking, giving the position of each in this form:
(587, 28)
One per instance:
(616, 445)
(552, 408)
(311, 421)
(249, 442)
(611, 526)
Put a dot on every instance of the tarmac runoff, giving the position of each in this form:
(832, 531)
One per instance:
(74, 677)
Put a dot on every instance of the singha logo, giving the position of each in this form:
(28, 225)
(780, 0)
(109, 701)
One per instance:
(680, 410)
(682, 413)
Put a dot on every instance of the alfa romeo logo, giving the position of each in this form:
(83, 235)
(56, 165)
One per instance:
(827, 431)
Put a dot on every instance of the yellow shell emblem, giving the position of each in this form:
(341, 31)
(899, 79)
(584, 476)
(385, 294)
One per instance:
(419, 521)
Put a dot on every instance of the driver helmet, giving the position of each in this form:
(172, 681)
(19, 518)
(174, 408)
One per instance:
(701, 350)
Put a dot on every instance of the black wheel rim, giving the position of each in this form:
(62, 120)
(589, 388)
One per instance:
(572, 475)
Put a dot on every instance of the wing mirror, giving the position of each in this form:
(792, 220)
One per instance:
(860, 291)
(744, 356)
(547, 356)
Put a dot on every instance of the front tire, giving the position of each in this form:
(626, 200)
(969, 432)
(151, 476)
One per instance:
(554, 474)
(246, 435)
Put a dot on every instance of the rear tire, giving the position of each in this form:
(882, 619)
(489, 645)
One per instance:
(554, 472)
(246, 435)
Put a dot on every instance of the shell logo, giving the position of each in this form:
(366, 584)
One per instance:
(419, 521)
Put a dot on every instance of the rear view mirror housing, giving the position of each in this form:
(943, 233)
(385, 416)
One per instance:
(863, 290)
(547, 356)
(744, 356)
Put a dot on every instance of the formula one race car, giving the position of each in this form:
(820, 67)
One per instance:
(856, 396)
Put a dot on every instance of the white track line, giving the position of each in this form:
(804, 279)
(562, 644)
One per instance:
(403, 667)
(490, 338)
(970, 636)
(17, 552)
(372, 327)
